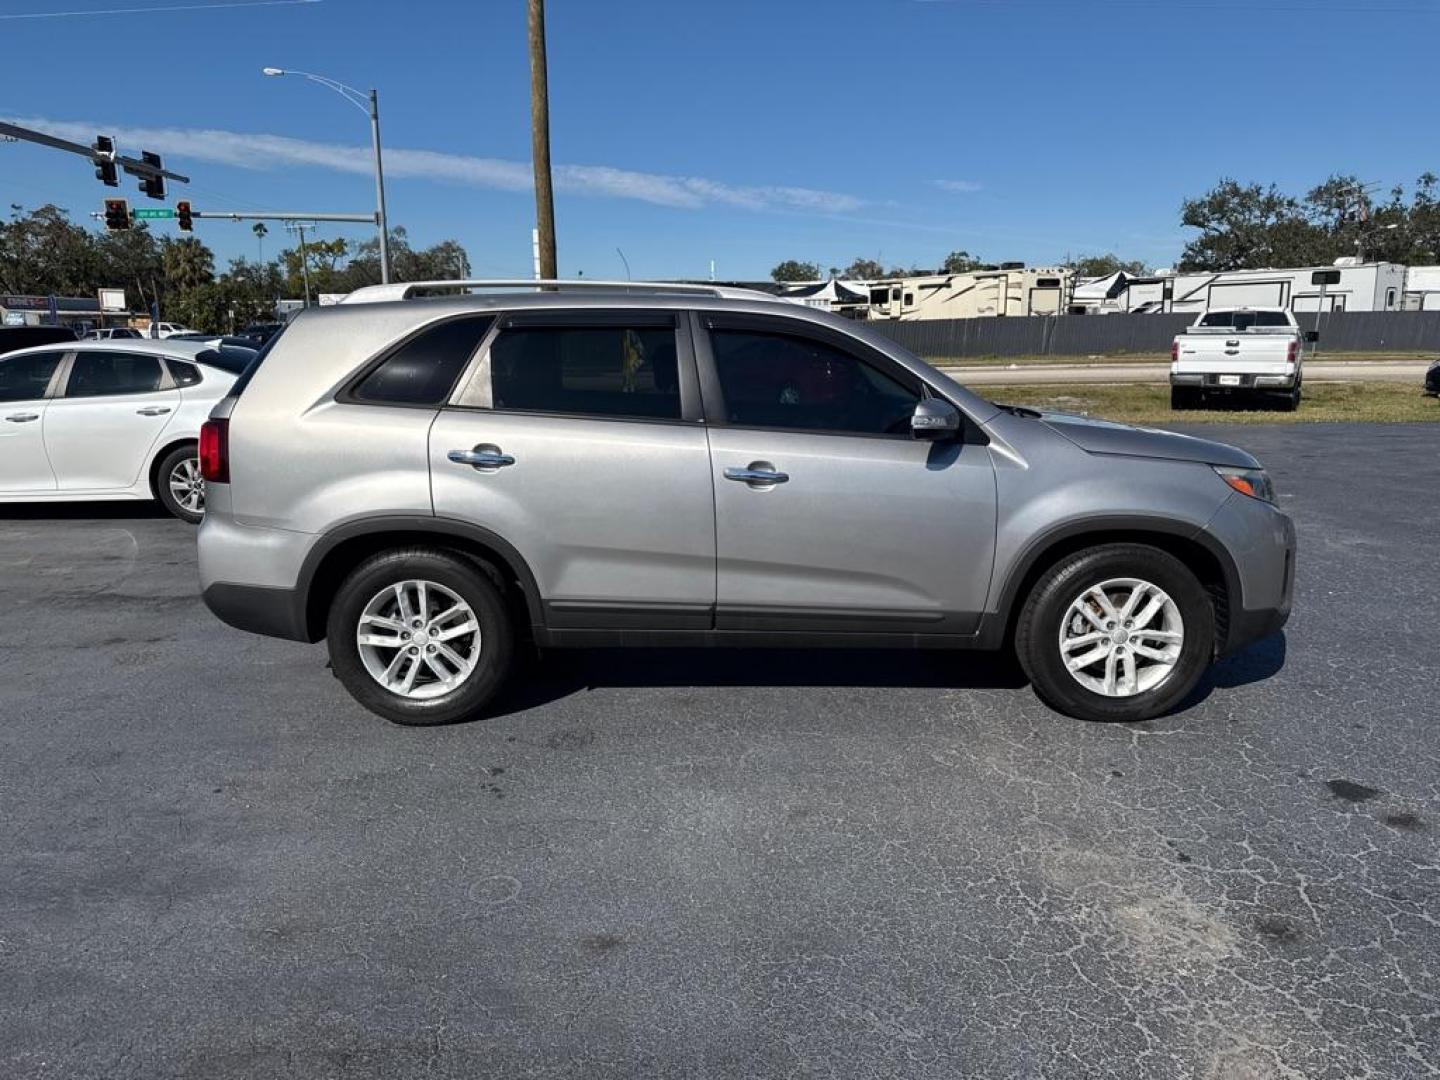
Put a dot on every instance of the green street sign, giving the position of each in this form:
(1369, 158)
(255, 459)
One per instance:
(142, 213)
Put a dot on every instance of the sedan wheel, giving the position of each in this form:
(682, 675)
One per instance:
(187, 487)
(179, 486)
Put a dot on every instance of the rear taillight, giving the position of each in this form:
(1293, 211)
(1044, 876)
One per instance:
(215, 451)
(1292, 353)
(1174, 352)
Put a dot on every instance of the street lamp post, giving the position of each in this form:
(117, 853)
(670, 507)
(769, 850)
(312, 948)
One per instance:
(367, 103)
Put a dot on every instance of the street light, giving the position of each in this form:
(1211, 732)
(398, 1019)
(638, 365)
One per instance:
(366, 103)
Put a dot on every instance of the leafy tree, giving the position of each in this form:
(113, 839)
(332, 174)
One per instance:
(130, 259)
(42, 251)
(1244, 226)
(961, 262)
(1094, 266)
(862, 269)
(794, 270)
(323, 257)
(187, 263)
(1423, 220)
(250, 291)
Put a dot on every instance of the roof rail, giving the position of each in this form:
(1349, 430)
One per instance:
(405, 290)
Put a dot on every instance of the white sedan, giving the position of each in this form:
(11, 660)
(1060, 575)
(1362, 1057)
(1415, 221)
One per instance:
(110, 420)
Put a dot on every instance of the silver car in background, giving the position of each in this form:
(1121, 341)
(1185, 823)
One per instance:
(425, 483)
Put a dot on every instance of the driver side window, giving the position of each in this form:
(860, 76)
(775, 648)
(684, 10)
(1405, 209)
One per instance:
(775, 380)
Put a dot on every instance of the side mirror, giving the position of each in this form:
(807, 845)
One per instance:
(1312, 336)
(935, 419)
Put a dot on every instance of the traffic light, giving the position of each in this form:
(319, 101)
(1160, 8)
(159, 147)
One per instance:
(182, 215)
(117, 214)
(153, 186)
(105, 170)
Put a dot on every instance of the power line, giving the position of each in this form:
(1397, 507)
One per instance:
(158, 10)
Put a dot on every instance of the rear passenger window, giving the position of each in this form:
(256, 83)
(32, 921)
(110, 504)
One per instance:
(184, 374)
(596, 371)
(423, 370)
(99, 374)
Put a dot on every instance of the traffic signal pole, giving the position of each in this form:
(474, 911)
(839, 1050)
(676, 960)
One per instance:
(150, 169)
(276, 215)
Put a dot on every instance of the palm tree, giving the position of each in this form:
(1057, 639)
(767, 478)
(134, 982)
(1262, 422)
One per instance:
(187, 263)
(260, 230)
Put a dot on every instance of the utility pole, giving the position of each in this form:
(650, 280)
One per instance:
(540, 141)
(299, 227)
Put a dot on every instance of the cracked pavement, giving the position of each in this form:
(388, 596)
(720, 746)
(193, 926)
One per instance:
(724, 864)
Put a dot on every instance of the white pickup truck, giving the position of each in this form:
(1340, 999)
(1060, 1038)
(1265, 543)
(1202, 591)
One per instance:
(1253, 352)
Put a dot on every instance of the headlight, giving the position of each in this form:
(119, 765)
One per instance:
(1252, 482)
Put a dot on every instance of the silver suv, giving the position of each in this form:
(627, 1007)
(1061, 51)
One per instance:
(426, 483)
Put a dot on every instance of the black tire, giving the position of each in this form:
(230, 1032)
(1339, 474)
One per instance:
(1037, 633)
(161, 486)
(465, 578)
(1291, 401)
(1183, 398)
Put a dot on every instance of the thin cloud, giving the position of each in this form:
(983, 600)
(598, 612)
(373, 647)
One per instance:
(263, 152)
(959, 187)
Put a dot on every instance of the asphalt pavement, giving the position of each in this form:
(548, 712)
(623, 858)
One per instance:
(1411, 371)
(669, 864)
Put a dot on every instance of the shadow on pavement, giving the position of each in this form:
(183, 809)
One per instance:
(1256, 663)
(562, 672)
(76, 511)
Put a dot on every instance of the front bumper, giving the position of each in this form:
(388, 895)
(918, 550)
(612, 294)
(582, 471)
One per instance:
(1261, 541)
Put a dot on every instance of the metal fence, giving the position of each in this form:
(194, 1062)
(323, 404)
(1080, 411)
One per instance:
(1085, 335)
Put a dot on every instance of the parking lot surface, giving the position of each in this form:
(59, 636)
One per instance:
(214, 864)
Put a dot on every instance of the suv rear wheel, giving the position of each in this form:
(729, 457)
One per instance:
(1115, 633)
(420, 636)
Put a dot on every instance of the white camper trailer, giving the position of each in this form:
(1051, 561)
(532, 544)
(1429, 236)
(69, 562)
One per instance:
(1422, 288)
(1362, 287)
(1010, 290)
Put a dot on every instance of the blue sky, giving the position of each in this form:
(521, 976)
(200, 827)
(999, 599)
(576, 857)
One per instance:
(744, 132)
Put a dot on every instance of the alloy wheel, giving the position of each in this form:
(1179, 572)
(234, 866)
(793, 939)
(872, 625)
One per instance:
(187, 486)
(418, 639)
(1121, 637)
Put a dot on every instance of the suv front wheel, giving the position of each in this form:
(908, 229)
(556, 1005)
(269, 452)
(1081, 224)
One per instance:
(1115, 633)
(420, 636)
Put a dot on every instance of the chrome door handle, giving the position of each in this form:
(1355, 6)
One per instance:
(482, 457)
(153, 410)
(22, 417)
(758, 472)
